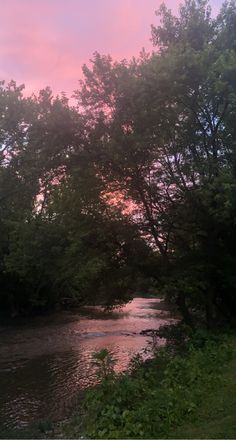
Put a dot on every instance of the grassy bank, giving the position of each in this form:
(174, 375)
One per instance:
(216, 416)
(188, 394)
(186, 391)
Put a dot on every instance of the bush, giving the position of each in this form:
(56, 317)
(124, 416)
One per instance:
(157, 396)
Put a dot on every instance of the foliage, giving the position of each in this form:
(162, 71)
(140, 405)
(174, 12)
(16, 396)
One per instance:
(60, 242)
(137, 182)
(165, 139)
(104, 363)
(157, 396)
(215, 418)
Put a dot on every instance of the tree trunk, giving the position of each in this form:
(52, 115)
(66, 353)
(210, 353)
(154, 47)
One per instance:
(181, 302)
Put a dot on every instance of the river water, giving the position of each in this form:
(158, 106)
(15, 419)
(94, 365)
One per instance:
(45, 361)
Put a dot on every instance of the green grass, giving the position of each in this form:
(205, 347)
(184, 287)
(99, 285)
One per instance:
(185, 394)
(191, 396)
(216, 416)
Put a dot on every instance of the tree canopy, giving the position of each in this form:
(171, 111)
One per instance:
(137, 181)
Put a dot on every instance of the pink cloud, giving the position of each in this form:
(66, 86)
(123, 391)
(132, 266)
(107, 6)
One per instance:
(45, 42)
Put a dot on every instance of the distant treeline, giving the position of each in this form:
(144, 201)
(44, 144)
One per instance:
(133, 186)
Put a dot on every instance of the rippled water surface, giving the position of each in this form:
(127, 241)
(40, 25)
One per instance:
(46, 361)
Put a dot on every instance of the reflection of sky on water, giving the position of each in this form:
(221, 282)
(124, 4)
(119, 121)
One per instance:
(44, 364)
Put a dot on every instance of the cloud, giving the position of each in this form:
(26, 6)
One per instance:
(45, 42)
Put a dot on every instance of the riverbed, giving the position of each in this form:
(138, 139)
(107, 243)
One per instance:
(46, 361)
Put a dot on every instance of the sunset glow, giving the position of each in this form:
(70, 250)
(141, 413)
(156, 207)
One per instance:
(45, 42)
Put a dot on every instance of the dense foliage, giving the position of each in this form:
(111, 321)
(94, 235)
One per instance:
(60, 241)
(155, 398)
(138, 181)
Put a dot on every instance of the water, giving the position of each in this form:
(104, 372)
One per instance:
(45, 361)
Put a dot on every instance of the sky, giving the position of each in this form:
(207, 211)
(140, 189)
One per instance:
(46, 42)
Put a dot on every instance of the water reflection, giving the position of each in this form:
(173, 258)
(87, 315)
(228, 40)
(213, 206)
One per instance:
(43, 364)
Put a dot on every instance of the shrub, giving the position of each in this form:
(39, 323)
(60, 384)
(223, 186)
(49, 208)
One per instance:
(154, 398)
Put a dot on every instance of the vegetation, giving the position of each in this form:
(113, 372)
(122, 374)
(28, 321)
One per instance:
(136, 182)
(60, 242)
(215, 418)
(134, 186)
(168, 392)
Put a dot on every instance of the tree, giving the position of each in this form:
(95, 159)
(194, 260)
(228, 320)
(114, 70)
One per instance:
(61, 240)
(138, 180)
(164, 137)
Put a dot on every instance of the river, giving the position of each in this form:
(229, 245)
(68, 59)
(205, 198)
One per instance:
(45, 361)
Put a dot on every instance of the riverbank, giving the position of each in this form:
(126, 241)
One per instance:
(45, 362)
(189, 394)
(186, 392)
(215, 418)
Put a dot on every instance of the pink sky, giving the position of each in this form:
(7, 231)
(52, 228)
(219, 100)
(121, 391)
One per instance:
(45, 42)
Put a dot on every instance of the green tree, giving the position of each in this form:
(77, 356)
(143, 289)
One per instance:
(163, 135)
(61, 240)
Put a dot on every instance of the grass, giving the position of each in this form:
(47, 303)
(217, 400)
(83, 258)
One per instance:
(205, 410)
(216, 417)
(188, 395)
